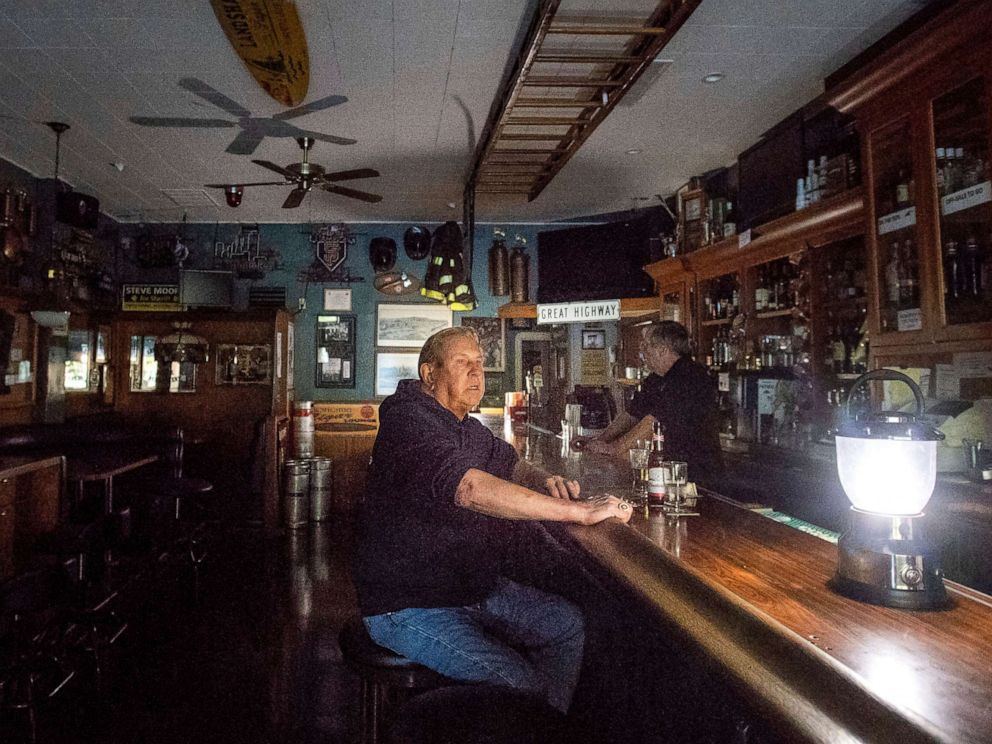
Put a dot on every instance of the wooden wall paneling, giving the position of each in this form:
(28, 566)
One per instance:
(17, 406)
(232, 421)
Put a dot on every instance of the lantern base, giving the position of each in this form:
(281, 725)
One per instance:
(886, 560)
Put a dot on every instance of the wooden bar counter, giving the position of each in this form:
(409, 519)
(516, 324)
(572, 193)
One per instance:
(748, 596)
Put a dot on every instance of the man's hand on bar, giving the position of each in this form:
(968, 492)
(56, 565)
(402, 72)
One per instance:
(606, 506)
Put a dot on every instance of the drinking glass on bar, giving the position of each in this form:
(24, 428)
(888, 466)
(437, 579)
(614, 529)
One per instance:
(677, 474)
(639, 463)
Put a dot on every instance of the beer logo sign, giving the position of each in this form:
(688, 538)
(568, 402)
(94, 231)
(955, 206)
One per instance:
(331, 245)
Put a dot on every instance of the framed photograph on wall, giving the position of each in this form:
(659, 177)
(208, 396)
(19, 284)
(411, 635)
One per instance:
(593, 339)
(408, 325)
(337, 299)
(244, 364)
(492, 338)
(393, 366)
(335, 355)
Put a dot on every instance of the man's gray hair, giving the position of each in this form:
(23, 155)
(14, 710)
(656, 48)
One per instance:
(434, 348)
(671, 334)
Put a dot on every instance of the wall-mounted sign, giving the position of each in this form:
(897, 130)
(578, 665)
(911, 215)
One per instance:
(153, 297)
(578, 312)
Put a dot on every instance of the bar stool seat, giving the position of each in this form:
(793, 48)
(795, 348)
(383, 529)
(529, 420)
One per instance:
(381, 671)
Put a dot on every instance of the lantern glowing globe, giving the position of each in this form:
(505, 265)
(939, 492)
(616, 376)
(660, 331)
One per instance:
(887, 476)
(887, 463)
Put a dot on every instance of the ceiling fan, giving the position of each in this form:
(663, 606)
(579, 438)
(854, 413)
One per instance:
(253, 128)
(303, 176)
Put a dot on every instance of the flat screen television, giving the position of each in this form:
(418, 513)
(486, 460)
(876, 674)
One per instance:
(206, 288)
(596, 262)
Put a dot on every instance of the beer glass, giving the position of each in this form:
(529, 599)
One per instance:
(639, 463)
(677, 476)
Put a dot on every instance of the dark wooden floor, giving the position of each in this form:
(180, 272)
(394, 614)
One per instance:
(254, 659)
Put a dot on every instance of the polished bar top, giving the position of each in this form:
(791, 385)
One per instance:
(751, 595)
(11, 467)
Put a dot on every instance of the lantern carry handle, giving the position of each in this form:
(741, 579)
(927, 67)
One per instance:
(886, 374)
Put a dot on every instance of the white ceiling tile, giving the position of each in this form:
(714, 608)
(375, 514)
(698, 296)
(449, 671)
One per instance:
(419, 75)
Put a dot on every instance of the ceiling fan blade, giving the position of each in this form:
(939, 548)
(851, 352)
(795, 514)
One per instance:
(218, 99)
(166, 121)
(350, 174)
(256, 183)
(277, 168)
(246, 142)
(352, 193)
(329, 138)
(294, 199)
(318, 105)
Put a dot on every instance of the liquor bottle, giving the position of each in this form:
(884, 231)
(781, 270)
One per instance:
(892, 273)
(972, 268)
(821, 175)
(730, 221)
(812, 183)
(800, 194)
(911, 282)
(939, 158)
(837, 350)
(952, 270)
(761, 291)
(657, 488)
(902, 190)
(772, 303)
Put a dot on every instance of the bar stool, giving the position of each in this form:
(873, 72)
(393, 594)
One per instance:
(381, 671)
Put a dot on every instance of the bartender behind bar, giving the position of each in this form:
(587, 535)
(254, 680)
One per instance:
(681, 395)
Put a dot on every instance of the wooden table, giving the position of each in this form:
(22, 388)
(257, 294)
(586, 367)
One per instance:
(30, 496)
(750, 594)
(104, 466)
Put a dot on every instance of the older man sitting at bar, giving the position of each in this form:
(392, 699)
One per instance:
(439, 536)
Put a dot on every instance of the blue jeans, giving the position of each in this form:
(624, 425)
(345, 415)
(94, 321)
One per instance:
(518, 637)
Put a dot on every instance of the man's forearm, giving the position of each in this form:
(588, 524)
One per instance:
(618, 427)
(485, 493)
(529, 476)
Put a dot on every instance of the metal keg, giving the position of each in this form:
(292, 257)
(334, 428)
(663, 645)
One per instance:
(296, 493)
(303, 429)
(321, 484)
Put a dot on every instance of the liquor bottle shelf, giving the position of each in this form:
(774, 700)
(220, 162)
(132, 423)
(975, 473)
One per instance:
(717, 322)
(774, 313)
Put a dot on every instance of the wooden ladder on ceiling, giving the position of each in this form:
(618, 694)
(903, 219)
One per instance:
(533, 130)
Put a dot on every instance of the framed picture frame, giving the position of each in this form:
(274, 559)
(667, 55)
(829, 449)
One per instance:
(593, 338)
(338, 300)
(492, 338)
(393, 366)
(335, 351)
(408, 325)
(243, 364)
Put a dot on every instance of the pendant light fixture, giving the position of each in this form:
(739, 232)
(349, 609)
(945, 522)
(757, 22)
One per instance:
(183, 346)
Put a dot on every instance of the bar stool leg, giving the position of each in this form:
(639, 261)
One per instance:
(376, 712)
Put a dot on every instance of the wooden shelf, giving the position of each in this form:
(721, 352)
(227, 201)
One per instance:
(775, 313)
(838, 217)
(717, 322)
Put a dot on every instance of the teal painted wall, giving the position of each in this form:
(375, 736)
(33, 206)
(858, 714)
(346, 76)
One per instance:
(295, 253)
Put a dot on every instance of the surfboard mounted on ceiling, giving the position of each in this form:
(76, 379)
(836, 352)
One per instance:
(269, 38)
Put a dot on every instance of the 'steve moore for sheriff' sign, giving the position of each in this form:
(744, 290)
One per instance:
(578, 312)
(161, 297)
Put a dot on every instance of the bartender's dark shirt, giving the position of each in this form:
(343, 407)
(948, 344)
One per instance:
(416, 547)
(684, 401)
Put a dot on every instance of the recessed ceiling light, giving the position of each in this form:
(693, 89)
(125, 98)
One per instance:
(713, 77)
(633, 151)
